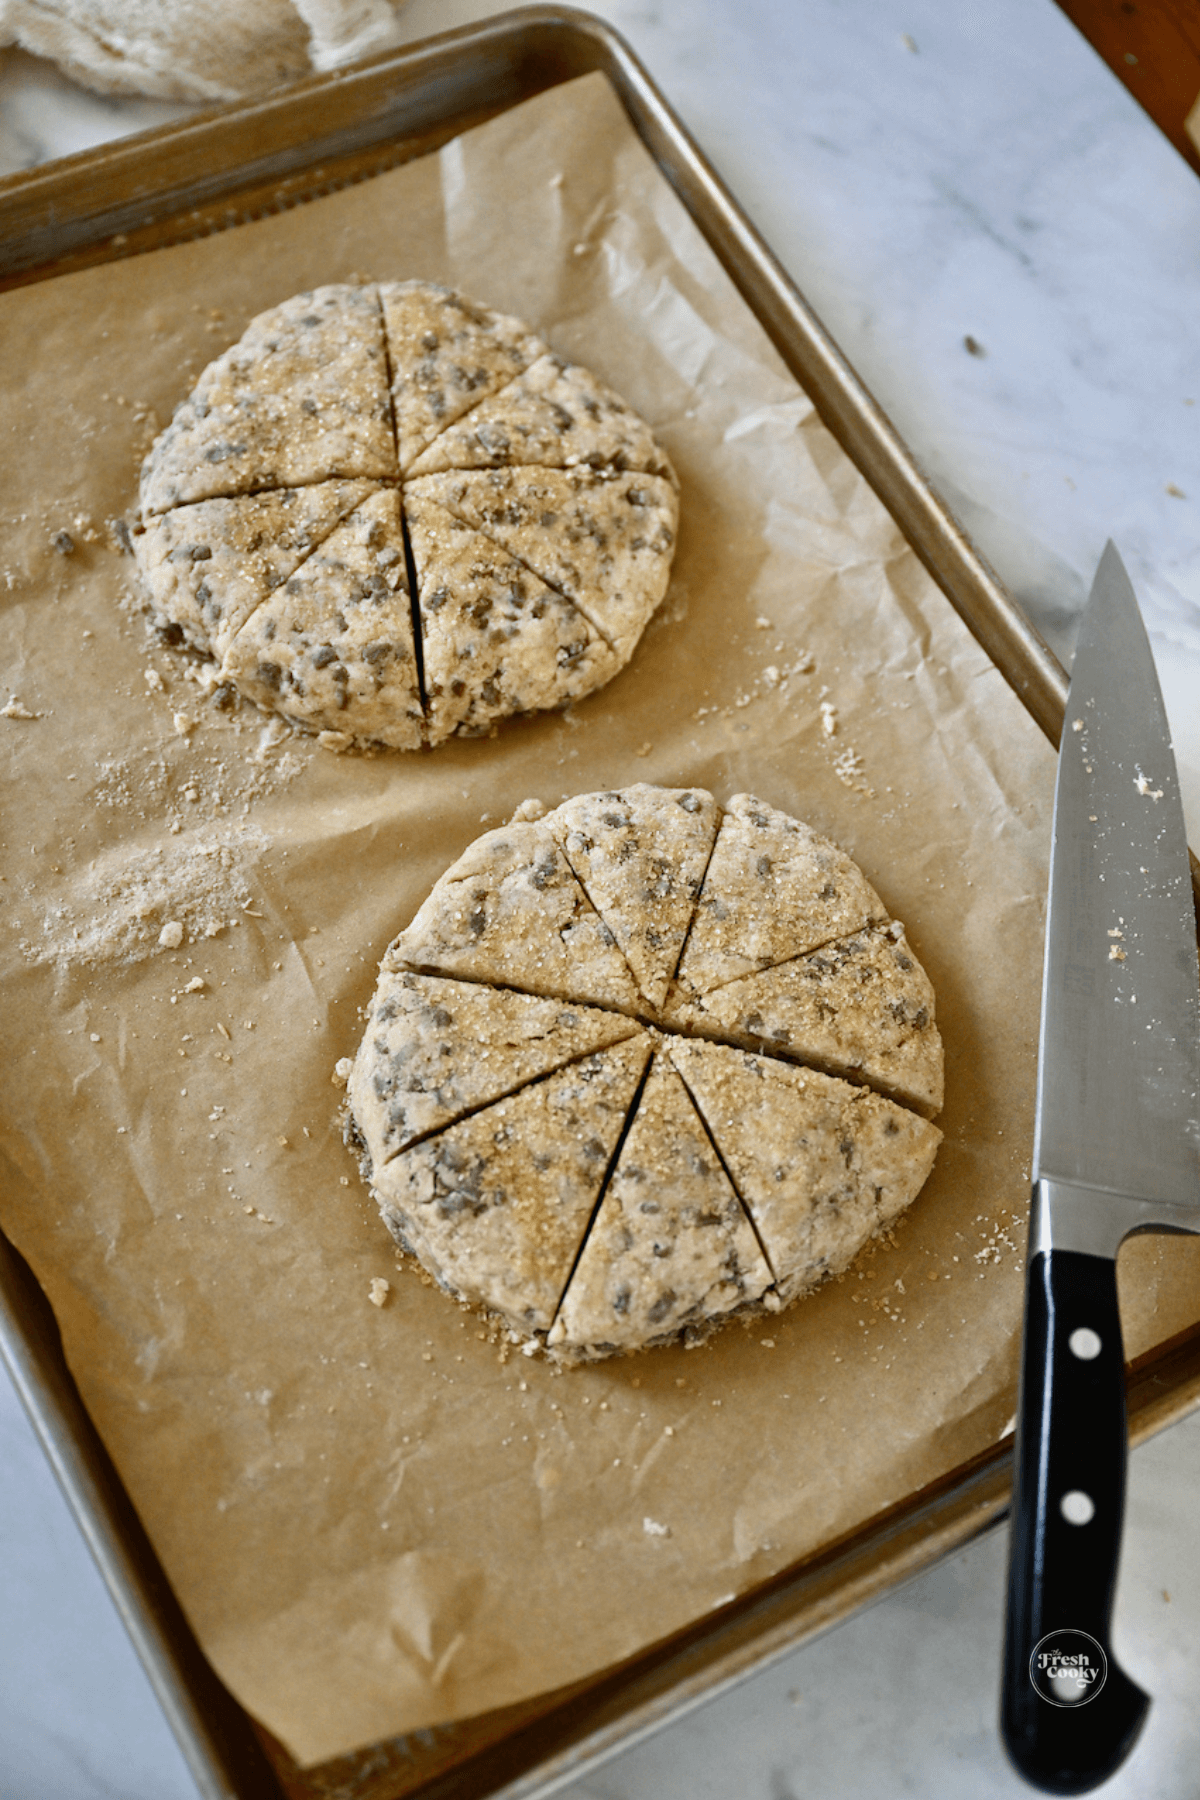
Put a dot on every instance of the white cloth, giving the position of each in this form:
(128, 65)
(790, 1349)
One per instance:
(197, 49)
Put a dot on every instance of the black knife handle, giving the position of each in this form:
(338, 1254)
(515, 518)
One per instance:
(1066, 1533)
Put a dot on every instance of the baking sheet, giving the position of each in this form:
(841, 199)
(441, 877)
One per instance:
(375, 1518)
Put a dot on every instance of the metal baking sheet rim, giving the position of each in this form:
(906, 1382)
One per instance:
(145, 190)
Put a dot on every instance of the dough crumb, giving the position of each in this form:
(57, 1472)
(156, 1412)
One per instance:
(184, 725)
(529, 812)
(343, 1068)
(848, 767)
(652, 1528)
(380, 1289)
(154, 681)
(17, 710)
(196, 985)
(171, 935)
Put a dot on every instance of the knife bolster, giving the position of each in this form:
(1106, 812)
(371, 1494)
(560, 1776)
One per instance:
(1095, 1221)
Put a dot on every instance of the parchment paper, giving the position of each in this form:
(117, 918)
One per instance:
(378, 1518)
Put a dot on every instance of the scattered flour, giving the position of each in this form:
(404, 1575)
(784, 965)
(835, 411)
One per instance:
(128, 905)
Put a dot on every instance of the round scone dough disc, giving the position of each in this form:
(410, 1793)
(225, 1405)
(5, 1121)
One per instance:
(744, 1167)
(530, 514)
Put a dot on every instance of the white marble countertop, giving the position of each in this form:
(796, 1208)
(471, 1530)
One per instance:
(928, 174)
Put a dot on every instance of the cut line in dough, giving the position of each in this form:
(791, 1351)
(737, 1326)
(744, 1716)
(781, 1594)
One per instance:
(670, 1247)
(210, 565)
(497, 1205)
(641, 855)
(437, 1049)
(774, 889)
(511, 912)
(821, 1165)
(859, 1007)
(335, 639)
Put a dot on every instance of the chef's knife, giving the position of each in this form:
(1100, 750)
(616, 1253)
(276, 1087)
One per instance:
(1116, 1150)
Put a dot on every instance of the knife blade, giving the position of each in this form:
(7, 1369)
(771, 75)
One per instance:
(1116, 1150)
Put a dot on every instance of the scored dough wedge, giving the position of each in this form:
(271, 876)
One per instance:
(209, 565)
(448, 353)
(603, 539)
(641, 855)
(774, 890)
(822, 1166)
(512, 913)
(496, 1207)
(556, 414)
(435, 1050)
(333, 647)
(301, 397)
(860, 1007)
(496, 640)
(671, 1245)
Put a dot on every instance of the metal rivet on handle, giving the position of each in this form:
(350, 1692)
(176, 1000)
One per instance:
(1077, 1508)
(1085, 1343)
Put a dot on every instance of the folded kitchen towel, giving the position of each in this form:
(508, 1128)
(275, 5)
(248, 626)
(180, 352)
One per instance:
(197, 49)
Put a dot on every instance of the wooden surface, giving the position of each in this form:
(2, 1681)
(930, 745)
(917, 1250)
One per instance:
(1153, 46)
